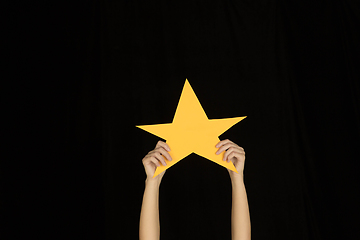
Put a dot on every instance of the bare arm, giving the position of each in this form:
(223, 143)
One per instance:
(240, 215)
(149, 226)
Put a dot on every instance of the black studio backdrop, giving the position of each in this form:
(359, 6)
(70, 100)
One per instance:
(79, 76)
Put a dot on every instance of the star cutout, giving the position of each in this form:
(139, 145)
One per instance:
(192, 132)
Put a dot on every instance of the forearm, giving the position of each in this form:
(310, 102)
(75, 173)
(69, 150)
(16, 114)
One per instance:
(149, 227)
(240, 216)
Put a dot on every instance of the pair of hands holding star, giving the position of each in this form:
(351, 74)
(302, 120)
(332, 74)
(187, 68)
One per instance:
(233, 153)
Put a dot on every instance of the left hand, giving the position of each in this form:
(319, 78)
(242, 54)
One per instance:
(233, 153)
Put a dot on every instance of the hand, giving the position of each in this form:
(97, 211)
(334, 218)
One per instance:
(152, 160)
(233, 153)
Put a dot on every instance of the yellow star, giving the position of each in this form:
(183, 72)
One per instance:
(192, 132)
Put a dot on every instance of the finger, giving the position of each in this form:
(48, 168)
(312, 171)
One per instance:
(164, 153)
(155, 161)
(223, 142)
(229, 151)
(224, 147)
(228, 145)
(163, 144)
(160, 158)
(234, 155)
(240, 149)
(219, 144)
(149, 159)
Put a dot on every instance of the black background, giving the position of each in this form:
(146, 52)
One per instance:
(78, 77)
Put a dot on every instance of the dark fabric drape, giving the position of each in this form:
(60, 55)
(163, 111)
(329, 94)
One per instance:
(81, 75)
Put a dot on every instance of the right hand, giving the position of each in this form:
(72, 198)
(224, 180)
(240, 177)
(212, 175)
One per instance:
(153, 159)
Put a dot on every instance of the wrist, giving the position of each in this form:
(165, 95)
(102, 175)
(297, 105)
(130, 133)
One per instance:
(236, 177)
(153, 182)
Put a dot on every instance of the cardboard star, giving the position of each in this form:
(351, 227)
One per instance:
(192, 132)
